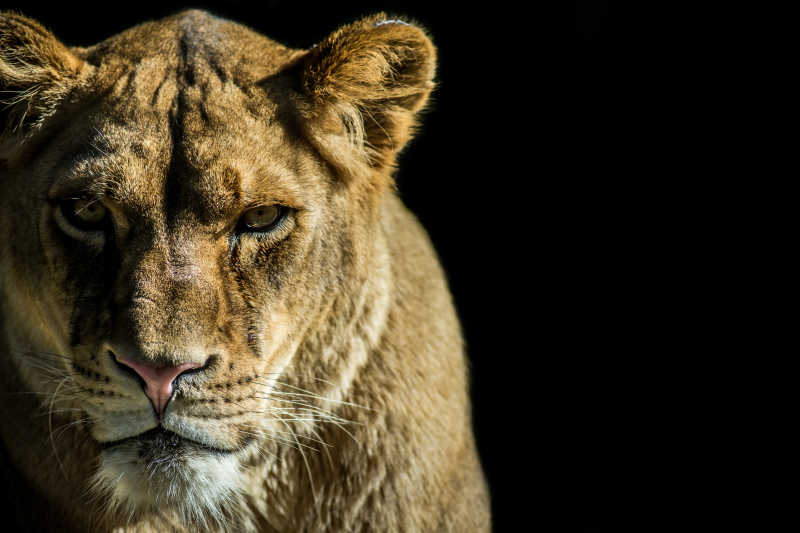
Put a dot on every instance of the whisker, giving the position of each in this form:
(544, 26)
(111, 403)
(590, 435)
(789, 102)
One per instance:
(317, 396)
(62, 429)
(44, 354)
(50, 427)
(327, 451)
(305, 460)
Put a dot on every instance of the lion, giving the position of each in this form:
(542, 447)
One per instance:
(217, 313)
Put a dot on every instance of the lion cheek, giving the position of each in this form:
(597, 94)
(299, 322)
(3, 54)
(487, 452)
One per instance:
(276, 341)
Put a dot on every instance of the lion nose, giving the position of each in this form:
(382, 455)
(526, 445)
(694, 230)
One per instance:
(158, 380)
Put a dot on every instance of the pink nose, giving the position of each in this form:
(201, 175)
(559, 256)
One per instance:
(158, 380)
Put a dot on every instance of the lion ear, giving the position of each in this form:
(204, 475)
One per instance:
(36, 72)
(365, 84)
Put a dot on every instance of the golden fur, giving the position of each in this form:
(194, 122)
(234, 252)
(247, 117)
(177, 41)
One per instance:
(334, 391)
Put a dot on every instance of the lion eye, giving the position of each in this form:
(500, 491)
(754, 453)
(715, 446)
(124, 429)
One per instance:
(87, 215)
(261, 218)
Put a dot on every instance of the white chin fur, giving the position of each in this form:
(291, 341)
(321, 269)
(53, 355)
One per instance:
(196, 484)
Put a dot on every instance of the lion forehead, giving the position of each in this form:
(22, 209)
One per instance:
(213, 148)
(201, 44)
(205, 103)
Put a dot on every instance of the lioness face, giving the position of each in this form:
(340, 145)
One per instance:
(180, 204)
(176, 224)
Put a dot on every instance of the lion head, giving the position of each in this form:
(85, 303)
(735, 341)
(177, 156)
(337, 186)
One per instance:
(190, 222)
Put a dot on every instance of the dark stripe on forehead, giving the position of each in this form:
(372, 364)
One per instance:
(232, 182)
(200, 50)
(218, 69)
(168, 74)
(127, 83)
(188, 60)
(178, 167)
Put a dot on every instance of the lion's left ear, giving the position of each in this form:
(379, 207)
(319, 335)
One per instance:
(365, 84)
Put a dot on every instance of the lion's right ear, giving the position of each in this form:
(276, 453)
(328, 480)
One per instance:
(36, 73)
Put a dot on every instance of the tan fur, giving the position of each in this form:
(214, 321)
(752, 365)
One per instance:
(335, 396)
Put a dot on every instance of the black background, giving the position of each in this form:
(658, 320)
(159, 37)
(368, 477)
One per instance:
(517, 103)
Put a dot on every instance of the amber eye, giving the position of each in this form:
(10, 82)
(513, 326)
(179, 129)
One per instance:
(86, 215)
(262, 218)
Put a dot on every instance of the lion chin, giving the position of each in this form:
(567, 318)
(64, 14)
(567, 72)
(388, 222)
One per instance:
(160, 469)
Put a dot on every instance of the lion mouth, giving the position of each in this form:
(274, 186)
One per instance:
(161, 441)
